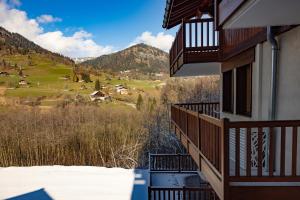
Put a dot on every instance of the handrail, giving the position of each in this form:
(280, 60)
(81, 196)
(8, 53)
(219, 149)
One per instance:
(204, 192)
(171, 162)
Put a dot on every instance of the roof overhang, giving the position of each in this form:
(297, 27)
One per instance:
(262, 13)
(199, 69)
(176, 10)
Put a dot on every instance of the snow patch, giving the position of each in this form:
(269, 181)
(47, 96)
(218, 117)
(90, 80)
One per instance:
(74, 183)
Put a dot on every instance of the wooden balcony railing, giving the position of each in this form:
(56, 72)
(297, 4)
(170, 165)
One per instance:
(196, 41)
(203, 192)
(171, 163)
(248, 151)
(211, 109)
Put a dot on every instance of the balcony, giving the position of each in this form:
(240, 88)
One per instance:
(175, 176)
(195, 50)
(241, 160)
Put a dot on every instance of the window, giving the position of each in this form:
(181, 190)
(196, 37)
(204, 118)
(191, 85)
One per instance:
(244, 90)
(228, 91)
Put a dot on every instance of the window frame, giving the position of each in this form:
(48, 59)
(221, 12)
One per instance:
(243, 93)
(228, 101)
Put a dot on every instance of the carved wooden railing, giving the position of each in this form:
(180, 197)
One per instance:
(264, 151)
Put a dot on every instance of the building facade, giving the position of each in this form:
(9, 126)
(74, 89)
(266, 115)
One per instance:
(247, 145)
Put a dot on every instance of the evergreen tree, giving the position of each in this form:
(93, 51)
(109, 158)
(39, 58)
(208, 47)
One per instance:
(139, 103)
(86, 77)
(20, 70)
(75, 77)
(97, 85)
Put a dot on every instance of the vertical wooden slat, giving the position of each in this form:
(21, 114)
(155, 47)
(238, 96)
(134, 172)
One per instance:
(259, 152)
(214, 38)
(248, 151)
(237, 152)
(196, 34)
(282, 152)
(202, 42)
(271, 152)
(207, 26)
(294, 151)
(190, 34)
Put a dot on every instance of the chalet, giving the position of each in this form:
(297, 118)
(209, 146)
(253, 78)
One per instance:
(121, 89)
(23, 82)
(246, 145)
(4, 74)
(99, 96)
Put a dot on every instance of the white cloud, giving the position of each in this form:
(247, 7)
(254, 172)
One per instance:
(80, 44)
(161, 40)
(44, 19)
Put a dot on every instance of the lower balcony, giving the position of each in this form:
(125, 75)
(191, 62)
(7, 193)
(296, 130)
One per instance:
(241, 160)
(176, 177)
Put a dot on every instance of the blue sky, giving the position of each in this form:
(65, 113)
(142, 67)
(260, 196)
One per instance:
(113, 24)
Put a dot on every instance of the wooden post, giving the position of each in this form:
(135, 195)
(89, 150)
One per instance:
(225, 157)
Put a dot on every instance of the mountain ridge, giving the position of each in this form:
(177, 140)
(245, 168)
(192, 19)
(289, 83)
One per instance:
(14, 43)
(139, 57)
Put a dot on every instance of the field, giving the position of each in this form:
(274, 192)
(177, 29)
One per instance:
(51, 82)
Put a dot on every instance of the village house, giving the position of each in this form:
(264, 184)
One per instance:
(99, 96)
(4, 74)
(23, 82)
(121, 89)
(247, 144)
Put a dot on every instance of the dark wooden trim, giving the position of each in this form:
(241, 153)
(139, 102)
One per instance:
(242, 59)
(264, 192)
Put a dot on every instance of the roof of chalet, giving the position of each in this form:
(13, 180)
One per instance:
(176, 10)
(97, 92)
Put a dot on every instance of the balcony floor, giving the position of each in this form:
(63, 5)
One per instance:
(173, 179)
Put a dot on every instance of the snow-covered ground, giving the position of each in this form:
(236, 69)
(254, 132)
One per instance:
(72, 183)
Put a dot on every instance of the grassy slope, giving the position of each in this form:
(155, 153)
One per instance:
(45, 78)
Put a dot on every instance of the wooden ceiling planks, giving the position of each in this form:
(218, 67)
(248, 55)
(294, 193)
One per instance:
(177, 10)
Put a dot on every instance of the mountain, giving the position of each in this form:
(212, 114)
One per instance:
(140, 57)
(14, 43)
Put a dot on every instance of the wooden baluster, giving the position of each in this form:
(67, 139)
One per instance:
(282, 152)
(248, 151)
(159, 193)
(199, 133)
(190, 35)
(207, 26)
(237, 152)
(214, 37)
(259, 151)
(272, 152)
(196, 34)
(202, 42)
(294, 151)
